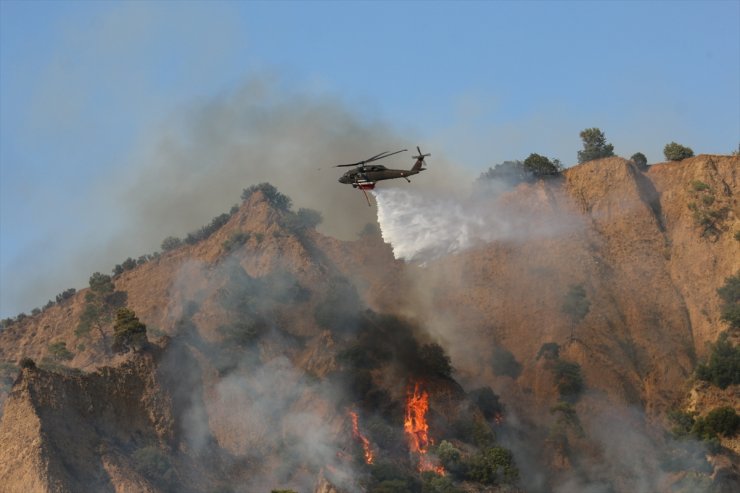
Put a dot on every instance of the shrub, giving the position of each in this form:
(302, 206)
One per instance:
(434, 483)
(509, 172)
(549, 350)
(128, 264)
(390, 478)
(729, 293)
(487, 401)
(206, 231)
(720, 421)
(59, 351)
(154, 464)
(493, 465)
(301, 221)
(170, 243)
(244, 332)
(65, 295)
(90, 316)
(393, 486)
(594, 145)
(128, 332)
(677, 152)
(471, 429)
(271, 194)
(576, 305)
(235, 241)
(567, 417)
(36, 311)
(307, 219)
(682, 422)
(504, 363)
(568, 379)
(8, 373)
(541, 167)
(705, 216)
(434, 360)
(101, 283)
(640, 160)
(27, 362)
(723, 367)
(447, 453)
(98, 308)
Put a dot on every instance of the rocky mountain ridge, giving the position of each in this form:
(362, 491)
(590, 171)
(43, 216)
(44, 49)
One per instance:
(645, 252)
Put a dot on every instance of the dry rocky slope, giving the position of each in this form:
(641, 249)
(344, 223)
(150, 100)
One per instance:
(649, 271)
(633, 240)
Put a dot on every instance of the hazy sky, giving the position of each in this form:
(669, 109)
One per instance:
(92, 92)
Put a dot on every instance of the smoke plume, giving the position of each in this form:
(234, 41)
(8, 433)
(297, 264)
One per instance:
(193, 166)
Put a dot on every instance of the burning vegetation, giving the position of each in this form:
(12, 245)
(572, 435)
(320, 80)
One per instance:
(417, 429)
(367, 450)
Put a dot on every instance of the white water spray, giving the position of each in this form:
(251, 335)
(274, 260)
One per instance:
(421, 228)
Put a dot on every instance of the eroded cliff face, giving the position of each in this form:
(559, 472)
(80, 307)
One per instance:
(75, 433)
(630, 239)
(648, 250)
(122, 429)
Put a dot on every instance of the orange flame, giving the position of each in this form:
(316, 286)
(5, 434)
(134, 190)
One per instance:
(369, 456)
(417, 429)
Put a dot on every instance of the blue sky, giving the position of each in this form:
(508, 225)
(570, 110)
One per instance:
(90, 93)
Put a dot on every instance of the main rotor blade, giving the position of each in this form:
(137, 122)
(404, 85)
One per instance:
(368, 160)
(380, 156)
(377, 156)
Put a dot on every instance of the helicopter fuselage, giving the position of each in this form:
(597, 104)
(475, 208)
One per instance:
(371, 174)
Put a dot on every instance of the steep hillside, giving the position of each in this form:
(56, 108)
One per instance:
(648, 272)
(589, 323)
(76, 433)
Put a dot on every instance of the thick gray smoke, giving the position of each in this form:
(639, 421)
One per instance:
(259, 407)
(194, 165)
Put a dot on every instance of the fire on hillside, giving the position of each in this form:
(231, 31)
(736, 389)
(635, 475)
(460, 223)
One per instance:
(417, 429)
(368, 452)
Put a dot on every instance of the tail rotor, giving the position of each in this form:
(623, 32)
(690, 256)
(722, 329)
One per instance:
(419, 165)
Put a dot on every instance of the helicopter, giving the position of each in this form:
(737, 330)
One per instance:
(366, 175)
